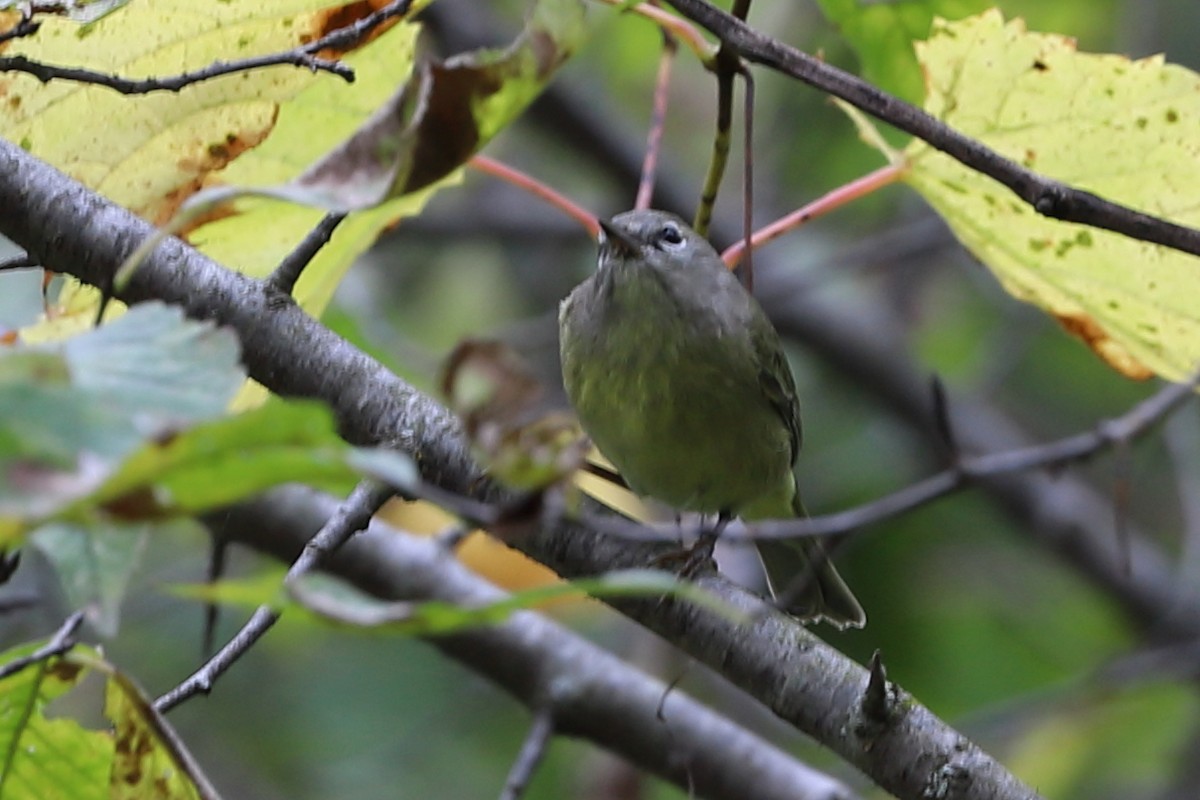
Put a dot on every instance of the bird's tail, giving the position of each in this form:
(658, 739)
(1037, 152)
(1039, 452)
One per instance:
(804, 580)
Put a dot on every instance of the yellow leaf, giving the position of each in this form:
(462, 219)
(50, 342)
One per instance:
(152, 151)
(1125, 130)
(260, 233)
(143, 150)
(433, 124)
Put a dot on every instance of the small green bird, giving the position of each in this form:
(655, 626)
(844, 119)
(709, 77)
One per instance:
(679, 378)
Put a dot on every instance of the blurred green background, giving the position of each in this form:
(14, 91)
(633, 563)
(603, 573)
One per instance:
(998, 635)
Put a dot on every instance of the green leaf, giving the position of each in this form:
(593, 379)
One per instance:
(336, 602)
(224, 461)
(61, 758)
(210, 465)
(94, 567)
(69, 412)
(155, 149)
(144, 764)
(103, 439)
(48, 427)
(44, 757)
(103, 392)
(154, 362)
(262, 589)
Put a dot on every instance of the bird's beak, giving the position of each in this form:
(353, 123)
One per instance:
(617, 240)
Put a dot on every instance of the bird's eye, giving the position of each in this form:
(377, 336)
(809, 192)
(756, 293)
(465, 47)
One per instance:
(670, 234)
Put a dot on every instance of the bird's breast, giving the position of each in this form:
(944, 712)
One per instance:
(674, 402)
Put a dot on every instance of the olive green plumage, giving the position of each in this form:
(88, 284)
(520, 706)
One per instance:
(679, 378)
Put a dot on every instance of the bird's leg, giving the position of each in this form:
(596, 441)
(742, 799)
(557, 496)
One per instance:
(691, 561)
(700, 555)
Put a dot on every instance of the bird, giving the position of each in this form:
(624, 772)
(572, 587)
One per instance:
(679, 378)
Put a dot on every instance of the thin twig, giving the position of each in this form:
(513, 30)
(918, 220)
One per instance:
(212, 610)
(941, 418)
(658, 120)
(50, 72)
(533, 750)
(351, 517)
(284, 276)
(1106, 435)
(27, 26)
(62, 641)
(660, 714)
(725, 65)
(1048, 197)
(538, 189)
(747, 270)
(302, 56)
(822, 205)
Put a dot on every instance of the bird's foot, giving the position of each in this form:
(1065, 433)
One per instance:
(690, 562)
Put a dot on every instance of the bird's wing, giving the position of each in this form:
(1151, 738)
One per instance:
(775, 378)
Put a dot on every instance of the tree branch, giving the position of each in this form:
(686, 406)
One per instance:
(283, 278)
(589, 692)
(1048, 197)
(967, 471)
(787, 668)
(533, 750)
(1066, 516)
(62, 641)
(51, 72)
(26, 26)
(350, 517)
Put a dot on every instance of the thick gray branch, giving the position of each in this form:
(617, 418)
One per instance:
(802, 679)
(588, 692)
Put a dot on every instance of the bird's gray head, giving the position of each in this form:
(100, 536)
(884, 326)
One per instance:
(656, 239)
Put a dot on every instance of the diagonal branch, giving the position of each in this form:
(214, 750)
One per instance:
(1048, 197)
(26, 26)
(533, 750)
(62, 641)
(351, 517)
(788, 669)
(283, 278)
(1113, 433)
